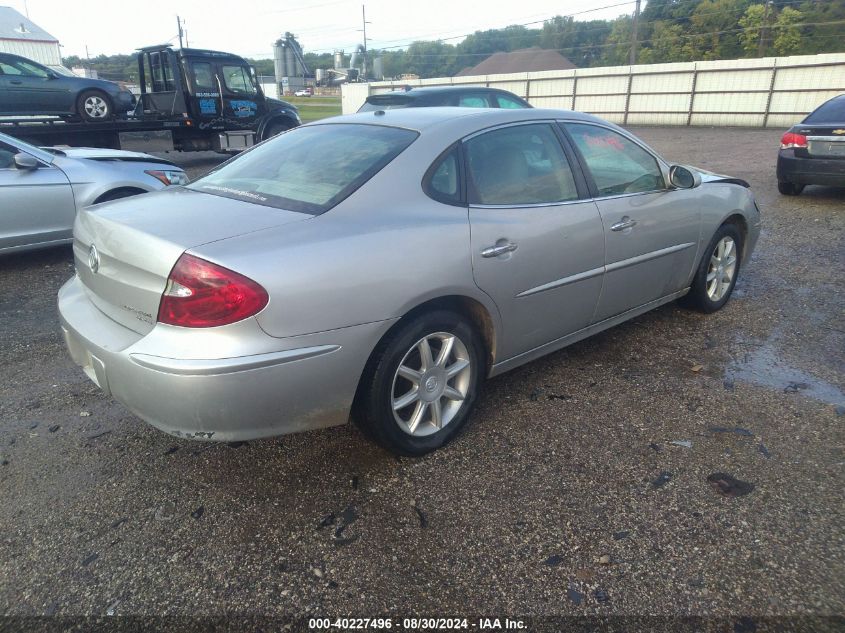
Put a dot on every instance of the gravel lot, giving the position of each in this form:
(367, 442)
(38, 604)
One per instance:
(580, 487)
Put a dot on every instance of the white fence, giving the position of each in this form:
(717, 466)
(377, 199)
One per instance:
(765, 92)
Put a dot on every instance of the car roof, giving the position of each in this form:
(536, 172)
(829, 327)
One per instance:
(424, 119)
(424, 91)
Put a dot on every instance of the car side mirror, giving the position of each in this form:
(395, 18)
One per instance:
(683, 178)
(25, 162)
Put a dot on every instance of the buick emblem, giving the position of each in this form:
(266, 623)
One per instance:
(840, 131)
(93, 259)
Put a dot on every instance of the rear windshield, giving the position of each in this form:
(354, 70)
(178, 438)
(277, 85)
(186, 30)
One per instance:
(831, 112)
(385, 103)
(308, 169)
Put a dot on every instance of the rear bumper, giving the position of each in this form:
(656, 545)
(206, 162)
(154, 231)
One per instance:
(292, 384)
(810, 171)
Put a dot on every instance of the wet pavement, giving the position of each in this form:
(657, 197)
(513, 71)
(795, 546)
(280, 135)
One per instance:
(677, 464)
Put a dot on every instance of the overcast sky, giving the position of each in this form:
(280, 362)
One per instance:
(249, 27)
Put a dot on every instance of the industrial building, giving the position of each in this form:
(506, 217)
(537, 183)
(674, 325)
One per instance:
(20, 36)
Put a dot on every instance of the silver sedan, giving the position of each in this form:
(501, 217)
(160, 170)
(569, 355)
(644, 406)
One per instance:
(42, 188)
(383, 264)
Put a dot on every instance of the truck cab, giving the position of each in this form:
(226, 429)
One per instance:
(213, 93)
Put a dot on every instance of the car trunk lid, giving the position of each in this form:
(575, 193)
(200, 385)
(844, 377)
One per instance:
(823, 141)
(124, 251)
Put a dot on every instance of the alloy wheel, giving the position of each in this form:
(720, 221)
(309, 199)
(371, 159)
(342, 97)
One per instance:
(431, 384)
(720, 273)
(96, 107)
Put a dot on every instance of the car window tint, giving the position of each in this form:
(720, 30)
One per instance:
(518, 165)
(443, 183)
(472, 101)
(617, 164)
(308, 169)
(508, 102)
(831, 112)
(203, 76)
(237, 80)
(32, 70)
(10, 68)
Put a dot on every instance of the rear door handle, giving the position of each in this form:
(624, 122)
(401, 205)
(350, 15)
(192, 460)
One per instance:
(624, 223)
(17, 82)
(498, 249)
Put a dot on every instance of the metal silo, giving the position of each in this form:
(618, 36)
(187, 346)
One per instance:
(378, 68)
(338, 60)
(279, 60)
(290, 61)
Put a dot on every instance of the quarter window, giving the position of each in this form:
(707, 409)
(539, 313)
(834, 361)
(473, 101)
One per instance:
(443, 182)
(203, 76)
(617, 164)
(520, 165)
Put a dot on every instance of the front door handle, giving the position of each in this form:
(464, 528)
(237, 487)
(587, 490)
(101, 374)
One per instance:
(17, 82)
(624, 223)
(498, 249)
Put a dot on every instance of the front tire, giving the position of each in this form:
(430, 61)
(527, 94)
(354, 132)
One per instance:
(790, 188)
(717, 273)
(94, 106)
(420, 385)
(274, 128)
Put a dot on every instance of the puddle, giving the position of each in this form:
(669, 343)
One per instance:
(762, 366)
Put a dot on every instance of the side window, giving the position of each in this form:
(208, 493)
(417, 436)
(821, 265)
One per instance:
(237, 80)
(31, 70)
(203, 77)
(8, 69)
(617, 164)
(442, 181)
(472, 101)
(520, 165)
(508, 102)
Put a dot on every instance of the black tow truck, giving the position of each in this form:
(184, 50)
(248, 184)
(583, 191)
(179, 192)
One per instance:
(191, 100)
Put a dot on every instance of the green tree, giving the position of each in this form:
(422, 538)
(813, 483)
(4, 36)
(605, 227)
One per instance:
(752, 24)
(665, 45)
(617, 46)
(787, 35)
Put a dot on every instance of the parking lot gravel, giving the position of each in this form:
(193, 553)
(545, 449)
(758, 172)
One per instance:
(679, 464)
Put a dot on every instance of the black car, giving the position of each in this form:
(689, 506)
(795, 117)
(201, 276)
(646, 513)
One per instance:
(462, 96)
(813, 152)
(28, 88)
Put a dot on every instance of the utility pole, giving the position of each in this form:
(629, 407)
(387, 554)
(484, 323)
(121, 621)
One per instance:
(761, 45)
(364, 18)
(179, 24)
(632, 57)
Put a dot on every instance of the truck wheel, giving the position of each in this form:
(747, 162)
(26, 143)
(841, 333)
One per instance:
(94, 106)
(789, 188)
(275, 127)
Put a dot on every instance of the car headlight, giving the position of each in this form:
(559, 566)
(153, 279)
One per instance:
(169, 177)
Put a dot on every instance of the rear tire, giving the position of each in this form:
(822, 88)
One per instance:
(717, 272)
(411, 401)
(94, 106)
(790, 188)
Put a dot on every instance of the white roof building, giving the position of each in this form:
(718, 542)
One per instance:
(20, 36)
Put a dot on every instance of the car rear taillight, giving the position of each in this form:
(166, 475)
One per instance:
(202, 294)
(791, 140)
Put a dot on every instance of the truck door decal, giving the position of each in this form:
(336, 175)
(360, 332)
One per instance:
(243, 109)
